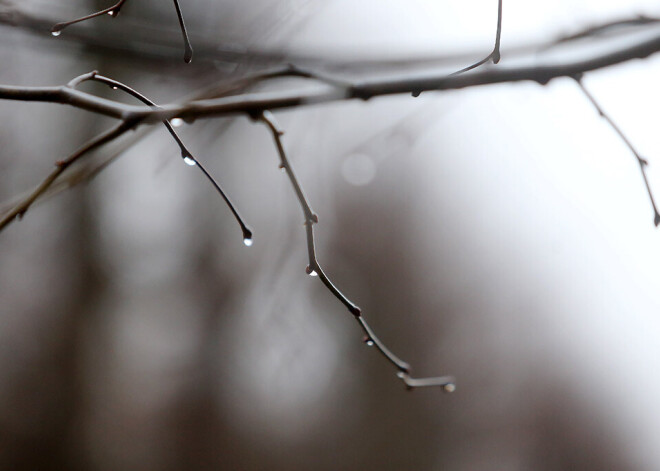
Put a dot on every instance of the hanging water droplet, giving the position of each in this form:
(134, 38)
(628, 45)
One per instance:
(449, 387)
(190, 161)
(310, 271)
(114, 87)
(368, 341)
(56, 33)
(176, 122)
(248, 241)
(111, 13)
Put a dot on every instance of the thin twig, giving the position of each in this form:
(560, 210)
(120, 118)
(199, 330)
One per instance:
(188, 52)
(314, 269)
(495, 53)
(21, 208)
(112, 11)
(186, 155)
(643, 163)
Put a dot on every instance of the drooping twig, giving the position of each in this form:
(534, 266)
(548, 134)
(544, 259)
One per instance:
(19, 210)
(114, 10)
(314, 269)
(188, 52)
(642, 162)
(186, 155)
(495, 53)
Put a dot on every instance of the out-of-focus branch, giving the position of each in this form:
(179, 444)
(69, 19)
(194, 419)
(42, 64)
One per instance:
(314, 269)
(642, 162)
(601, 29)
(60, 166)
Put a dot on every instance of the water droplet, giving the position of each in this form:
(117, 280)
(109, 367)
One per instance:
(176, 122)
(114, 87)
(310, 271)
(368, 342)
(190, 161)
(248, 241)
(449, 387)
(282, 167)
(56, 33)
(111, 13)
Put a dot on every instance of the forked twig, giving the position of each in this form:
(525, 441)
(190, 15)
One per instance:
(186, 155)
(447, 383)
(114, 10)
(642, 162)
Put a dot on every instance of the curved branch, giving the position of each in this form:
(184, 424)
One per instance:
(186, 155)
(314, 269)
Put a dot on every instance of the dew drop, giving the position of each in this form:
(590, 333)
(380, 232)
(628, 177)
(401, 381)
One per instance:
(56, 33)
(248, 241)
(310, 271)
(190, 161)
(449, 387)
(368, 342)
(111, 13)
(176, 122)
(114, 87)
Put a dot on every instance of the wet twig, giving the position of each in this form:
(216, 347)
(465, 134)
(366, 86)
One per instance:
(314, 269)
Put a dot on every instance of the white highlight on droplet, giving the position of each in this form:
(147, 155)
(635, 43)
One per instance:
(176, 122)
(111, 13)
(358, 169)
(248, 242)
(449, 387)
(190, 161)
(56, 33)
(310, 271)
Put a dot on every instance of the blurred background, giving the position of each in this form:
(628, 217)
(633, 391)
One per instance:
(499, 234)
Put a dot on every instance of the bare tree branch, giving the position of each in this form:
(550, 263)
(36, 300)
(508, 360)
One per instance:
(256, 103)
(643, 163)
(314, 269)
(186, 155)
